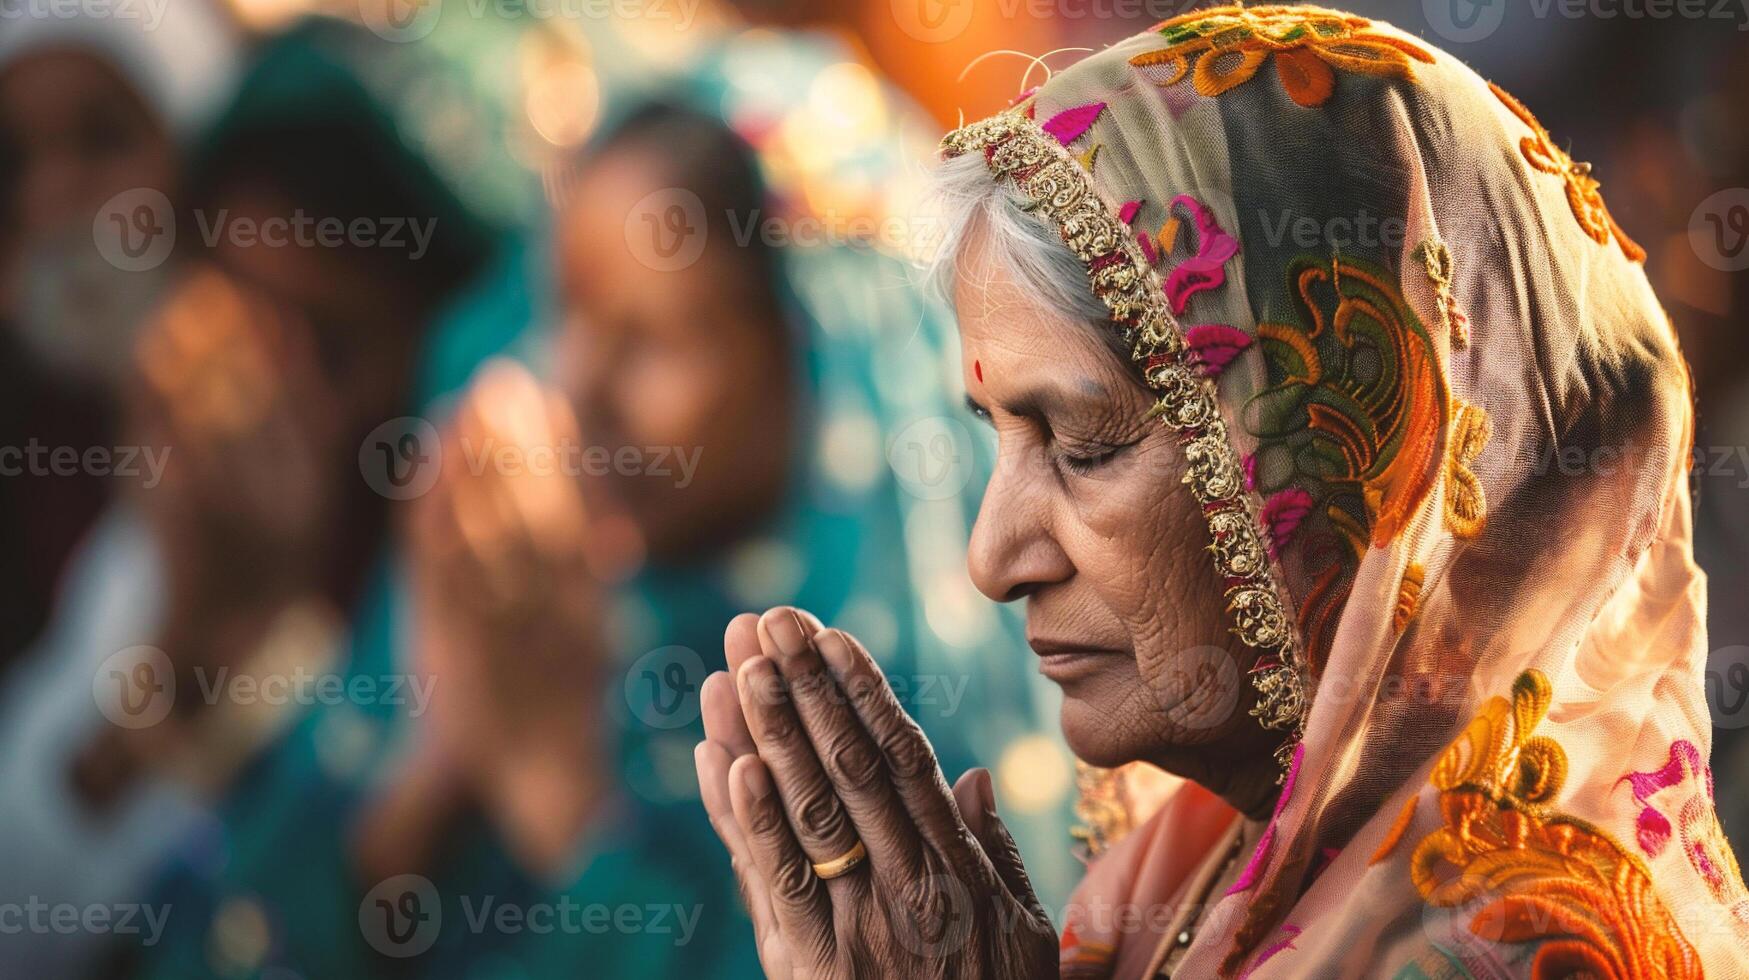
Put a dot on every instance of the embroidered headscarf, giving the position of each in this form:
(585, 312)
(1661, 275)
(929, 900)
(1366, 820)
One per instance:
(1439, 427)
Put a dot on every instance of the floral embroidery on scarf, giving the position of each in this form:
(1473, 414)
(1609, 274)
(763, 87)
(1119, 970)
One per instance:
(1207, 268)
(1584, 192)
(1214, 345)
(1466, 507)
(1683, 789)
(1282, 516)
(1229, 45)
(1408, 596)
(1353, 414)
(1521, 872)
(1436, 256)
(1069, 125)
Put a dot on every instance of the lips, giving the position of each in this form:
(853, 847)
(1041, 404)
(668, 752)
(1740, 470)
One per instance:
(1065, 662)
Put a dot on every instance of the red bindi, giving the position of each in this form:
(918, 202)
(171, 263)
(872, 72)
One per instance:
(978, 369)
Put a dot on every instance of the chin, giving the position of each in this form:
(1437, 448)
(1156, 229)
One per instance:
(1088, 729)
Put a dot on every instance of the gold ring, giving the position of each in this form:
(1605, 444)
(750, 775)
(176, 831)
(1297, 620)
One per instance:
(838, 867)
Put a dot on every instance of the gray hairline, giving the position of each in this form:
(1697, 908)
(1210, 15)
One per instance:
(969, 203)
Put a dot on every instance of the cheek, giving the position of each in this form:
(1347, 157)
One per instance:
(1143, 542)
(1136, 529)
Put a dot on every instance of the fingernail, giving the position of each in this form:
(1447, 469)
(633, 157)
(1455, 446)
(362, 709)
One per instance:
(756, 681)
(987, 792)
(787, 632)
(744, 677)
(836, 651)
(755, 778)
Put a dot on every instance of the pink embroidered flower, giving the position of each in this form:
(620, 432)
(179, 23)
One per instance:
(1214, 345)
(1207, 268)
(1068, 126)
(1282, 515)
(1683, 789)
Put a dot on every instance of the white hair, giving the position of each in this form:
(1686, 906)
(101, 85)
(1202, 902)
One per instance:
(967, 204)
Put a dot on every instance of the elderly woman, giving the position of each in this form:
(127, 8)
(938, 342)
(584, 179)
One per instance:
(1342, 468)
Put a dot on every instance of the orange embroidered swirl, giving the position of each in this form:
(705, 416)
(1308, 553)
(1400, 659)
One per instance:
(1584, 192)
(1231, 43)
(1526, 874)
(1354, 414)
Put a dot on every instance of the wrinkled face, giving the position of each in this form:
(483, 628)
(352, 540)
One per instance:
(1087, 519)
(682, 374)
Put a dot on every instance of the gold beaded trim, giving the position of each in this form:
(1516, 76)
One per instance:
(1042, 168)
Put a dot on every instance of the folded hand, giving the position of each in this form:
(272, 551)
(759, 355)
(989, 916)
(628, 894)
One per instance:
(807, 756)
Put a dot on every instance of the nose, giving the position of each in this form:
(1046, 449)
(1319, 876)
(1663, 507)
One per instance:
(1014, 551)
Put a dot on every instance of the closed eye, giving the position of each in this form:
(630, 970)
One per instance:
(1083, 462)
(978, 411)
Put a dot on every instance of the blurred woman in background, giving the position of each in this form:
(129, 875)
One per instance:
(254, 383)
(95, 112)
